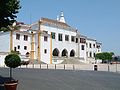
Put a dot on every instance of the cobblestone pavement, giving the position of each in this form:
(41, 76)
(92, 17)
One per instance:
(41, 79)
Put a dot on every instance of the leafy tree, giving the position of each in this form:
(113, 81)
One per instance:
(104, 56)
(99, 56)
(12, 60)
(8, 9)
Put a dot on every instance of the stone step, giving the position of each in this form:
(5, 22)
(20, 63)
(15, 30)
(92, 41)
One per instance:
(71, 61)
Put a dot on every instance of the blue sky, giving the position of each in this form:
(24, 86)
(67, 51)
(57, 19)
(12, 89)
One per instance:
(98, 19)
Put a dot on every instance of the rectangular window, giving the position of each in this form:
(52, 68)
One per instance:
(25, 47)
(59, 37)
(98, 46)
(94, 45)
(66, 37)
(18, 46)
(72, 38)
(18, 36)
(76, 40)
(45, 51)
(90, 54)
(15, 49)
(90, 45)
(82, 47)
(53, 35)
(25, 37)
(82, 40)
(94, 54)
(45, 38)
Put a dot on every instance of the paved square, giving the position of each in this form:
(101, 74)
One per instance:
(36, 79)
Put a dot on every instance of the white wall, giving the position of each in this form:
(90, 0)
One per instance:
(22, 43)
(2, 58)
(5, 42)
(45, 57)
(61, 45)
(82, 52)
(91, 50)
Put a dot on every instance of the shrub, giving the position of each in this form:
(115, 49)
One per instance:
(12, 60)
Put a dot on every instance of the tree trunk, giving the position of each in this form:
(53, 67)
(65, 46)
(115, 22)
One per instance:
(10, 73)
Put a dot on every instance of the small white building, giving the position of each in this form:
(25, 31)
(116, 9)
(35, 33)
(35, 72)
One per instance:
(49, 41)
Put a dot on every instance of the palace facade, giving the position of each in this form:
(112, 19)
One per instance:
(49, 41)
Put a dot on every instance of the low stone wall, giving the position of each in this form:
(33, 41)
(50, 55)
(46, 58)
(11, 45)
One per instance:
(100, 67)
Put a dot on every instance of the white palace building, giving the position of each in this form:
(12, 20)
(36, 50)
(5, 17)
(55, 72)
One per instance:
(49, 41)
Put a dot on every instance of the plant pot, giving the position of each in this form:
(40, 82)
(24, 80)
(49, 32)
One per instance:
(11, 85)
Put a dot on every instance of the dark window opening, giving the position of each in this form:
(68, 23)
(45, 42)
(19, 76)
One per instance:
(18, 46)
(53, 35)
(90, 45)
(72, 38)
(18, 36)
(15, 49)
(45, 38)
(76, 40)
(55, 52)
(66, 37)
(82, 47)
(27, 54)
(90, 54)
(25, 47)
(72, 53)
(26, 37)
(59, 37)
(45, 51)
(94, 55)
(82, 40)
(64, 52)
(94, 45)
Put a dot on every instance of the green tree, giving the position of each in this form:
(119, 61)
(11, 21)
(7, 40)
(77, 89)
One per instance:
(8, 11)
(12, 60)
(104, 56)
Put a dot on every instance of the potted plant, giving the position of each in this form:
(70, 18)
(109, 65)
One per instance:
(12, 61)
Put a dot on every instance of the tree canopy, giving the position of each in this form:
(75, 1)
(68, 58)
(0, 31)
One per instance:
(8, 11)
(12, 60)
(104, 56)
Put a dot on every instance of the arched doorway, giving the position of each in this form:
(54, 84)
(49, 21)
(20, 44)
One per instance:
(55, 52)
(64, 52)
(27, 54)
(72, 53)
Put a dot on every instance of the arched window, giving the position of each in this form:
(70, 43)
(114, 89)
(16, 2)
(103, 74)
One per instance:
(55, 52)
(64, 52)
(72, 53)
(27, 54)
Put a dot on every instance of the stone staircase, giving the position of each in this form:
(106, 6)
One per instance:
(72, 61)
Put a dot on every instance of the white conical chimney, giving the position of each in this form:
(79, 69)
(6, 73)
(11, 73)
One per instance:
(62, 19)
